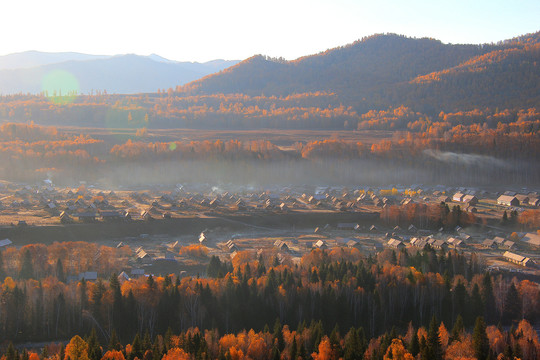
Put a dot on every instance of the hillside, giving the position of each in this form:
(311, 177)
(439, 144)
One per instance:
(386, 70)
(126, 74)
(503, 78)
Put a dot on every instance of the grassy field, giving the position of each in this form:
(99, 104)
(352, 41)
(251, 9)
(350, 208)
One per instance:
(276, 136)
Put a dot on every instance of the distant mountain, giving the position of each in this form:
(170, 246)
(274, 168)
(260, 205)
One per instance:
(123, 74)
(30, 59)
(387, 70)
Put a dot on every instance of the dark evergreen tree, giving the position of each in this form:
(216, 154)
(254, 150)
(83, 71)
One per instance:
(414, 345)
(157, 349)
(167, 283)
(27, 268)
(433, 341)
(480, 339)
(214, 267)
(294, 350)
(461, 299)
(458, 329)
(518, 352)
(334, 341)
(147, 341)
(128, 325)
(97, 295)
(60, 275)
(11, 353)
(276, 355)
(354, 346)
(302, 353)
(477, 305)
(168, 340)
(508, 352)
(424, 350)
(94, 349)
(44, 353)
(314, 276)
(83, 294)
(136, 348)
(512, 306)
(278, 336)
(490, 312)
(513, 217)
(114, 342)
(504, 220)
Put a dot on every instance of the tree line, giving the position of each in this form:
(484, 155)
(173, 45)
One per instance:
(305, 342)
(338, 287)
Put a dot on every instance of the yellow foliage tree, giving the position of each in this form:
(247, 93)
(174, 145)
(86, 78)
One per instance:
(397, 351)
(113, 355)
(176, 354)
(77, 349)
(325, 350)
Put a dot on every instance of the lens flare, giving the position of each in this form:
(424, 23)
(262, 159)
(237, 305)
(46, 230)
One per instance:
(172, 146)
(60, 86)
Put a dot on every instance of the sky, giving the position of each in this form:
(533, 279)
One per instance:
(203, 30)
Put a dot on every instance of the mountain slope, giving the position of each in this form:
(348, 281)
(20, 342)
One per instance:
(501, 78)
(385, 70)
(371, 62)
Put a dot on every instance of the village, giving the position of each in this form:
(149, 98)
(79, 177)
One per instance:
(178, 230)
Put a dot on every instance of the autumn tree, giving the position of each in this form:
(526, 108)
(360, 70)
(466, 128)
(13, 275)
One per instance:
(397, 351)
(77, 349)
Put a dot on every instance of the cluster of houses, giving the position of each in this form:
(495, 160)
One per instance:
(90, 205)
(468, 200)
(531, 240)
(498, 243)
(511, 198)
(422, 242)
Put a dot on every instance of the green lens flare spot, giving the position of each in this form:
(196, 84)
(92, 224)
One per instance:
(60, 86)
(172, 146)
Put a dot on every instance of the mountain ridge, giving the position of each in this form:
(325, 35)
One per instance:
(378, 71)
(124, 73)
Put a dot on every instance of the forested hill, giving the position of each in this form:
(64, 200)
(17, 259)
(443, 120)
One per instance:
(390, 70)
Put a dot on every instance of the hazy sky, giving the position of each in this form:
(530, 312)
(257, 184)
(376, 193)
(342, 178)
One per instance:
(201, 30)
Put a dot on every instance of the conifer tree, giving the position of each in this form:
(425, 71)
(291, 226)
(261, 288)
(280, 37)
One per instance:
(488, 298)
(433, 342)
(480, 339)
(94, 349)
(60, 275)
(278, 335)
(27, 268)
(114, 343)
(10, 352)
(457, 329)
(512, 306)
(353, 347)
(136, 348)
(414, 345)
(293, 350)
